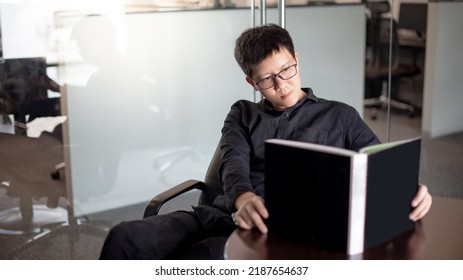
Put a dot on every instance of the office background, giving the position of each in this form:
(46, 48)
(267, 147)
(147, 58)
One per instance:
(145, 89)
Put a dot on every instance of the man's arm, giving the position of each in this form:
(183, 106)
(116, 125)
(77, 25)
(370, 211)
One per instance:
(235, 164)
(248, 208)
(358, 134)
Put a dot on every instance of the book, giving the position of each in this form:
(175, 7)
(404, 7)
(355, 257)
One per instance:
(342, 199)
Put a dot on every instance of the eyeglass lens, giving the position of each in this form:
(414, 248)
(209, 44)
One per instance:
(284, 74)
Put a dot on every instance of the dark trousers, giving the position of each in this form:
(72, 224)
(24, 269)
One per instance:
(176, 235)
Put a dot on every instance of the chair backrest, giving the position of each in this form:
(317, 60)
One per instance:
(212, 181)
(414, 16)
(381, 33)
(377, 8)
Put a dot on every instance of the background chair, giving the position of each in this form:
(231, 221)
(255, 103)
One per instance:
(379, 37)
(31, 207)
(24, 89)
(24, 86)
(34, 208)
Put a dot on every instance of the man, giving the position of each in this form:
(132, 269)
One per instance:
(267, 57)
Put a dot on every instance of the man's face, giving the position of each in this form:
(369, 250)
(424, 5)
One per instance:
(284, 93)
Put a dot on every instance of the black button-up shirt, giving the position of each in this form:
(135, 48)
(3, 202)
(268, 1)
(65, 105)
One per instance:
(249, 124)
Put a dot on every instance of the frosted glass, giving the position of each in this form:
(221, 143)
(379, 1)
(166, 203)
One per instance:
(151, 118)
(147, 115)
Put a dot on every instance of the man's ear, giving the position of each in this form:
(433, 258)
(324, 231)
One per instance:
(251, 82)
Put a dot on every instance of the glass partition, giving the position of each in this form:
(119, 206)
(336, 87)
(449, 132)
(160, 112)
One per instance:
(105, 104)
(143, 92)
(150, 117)
(136, 94)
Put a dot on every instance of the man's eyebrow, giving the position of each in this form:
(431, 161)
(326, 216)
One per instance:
(282, 67)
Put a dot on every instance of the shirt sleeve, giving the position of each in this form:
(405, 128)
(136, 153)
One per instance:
(234, 170)
(358, 133)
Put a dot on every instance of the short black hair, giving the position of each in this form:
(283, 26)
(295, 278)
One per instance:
(257, 43)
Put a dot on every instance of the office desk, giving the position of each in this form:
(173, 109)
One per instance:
(439, 235)
(413, 43)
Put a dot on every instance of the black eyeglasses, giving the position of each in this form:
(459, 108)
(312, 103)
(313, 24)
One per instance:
(284, 74)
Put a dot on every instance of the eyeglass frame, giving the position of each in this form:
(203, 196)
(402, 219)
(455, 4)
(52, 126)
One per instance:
(277, 75)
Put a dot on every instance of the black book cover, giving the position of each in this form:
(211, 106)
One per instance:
(389, 195)
(341, 199)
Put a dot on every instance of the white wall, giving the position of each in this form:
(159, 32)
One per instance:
(443, 85)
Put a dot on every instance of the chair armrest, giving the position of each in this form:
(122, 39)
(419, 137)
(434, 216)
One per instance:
(153, 207)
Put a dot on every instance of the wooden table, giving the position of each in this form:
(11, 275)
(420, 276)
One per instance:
(439, 235)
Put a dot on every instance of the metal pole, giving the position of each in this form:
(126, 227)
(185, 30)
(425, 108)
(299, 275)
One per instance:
(389, 79)
(282, 12)
(253, 13)
(253, 21)
(263, 12)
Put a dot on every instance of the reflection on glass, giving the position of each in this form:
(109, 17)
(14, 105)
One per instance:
(143, 109)
(27, 112)
(112, 114)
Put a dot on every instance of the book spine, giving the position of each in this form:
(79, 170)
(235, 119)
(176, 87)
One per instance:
(357, 204)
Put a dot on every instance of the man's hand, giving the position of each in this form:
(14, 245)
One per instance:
(421, 203)
(251, 212)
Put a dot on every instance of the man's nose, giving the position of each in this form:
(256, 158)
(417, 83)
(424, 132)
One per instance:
(279, 82)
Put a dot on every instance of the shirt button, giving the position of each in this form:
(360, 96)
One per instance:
(285, 115)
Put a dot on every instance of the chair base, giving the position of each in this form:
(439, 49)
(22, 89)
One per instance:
(382, 102)
(12, 221)
(56, 173)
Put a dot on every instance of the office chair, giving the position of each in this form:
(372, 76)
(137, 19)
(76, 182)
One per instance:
(377, 64)
(24, 84)
(208, 189)
(24, 87)
(414, 16)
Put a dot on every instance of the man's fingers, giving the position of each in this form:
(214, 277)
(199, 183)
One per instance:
(259, 205)
(420, 195)
(251, 215)
(421, 208)
(242, 223)
(258, 222)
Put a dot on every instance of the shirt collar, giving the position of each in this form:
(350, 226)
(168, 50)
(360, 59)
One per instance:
(310, 94)
(309, 97)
